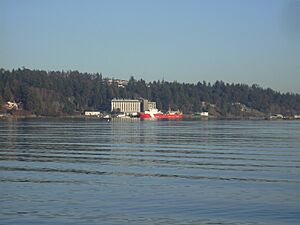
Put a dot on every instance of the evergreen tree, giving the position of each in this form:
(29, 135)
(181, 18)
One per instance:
(59, 92)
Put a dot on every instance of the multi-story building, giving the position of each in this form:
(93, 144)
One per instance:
(131, 105)
(126, 105)
(151, 105)
(147, 105)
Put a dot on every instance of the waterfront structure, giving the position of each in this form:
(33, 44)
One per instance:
(126, 105)
(132, 105)
(204, 114)
(147, 105)
(92, 113)
(151, 105)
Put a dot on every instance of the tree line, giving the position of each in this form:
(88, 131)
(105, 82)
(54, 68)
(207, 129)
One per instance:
(54, 93)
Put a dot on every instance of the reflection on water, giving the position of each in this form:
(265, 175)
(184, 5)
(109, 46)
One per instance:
(149, 172)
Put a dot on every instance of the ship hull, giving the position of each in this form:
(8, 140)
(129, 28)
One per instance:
(160, 116)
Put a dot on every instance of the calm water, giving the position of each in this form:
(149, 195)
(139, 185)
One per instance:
(149, 172)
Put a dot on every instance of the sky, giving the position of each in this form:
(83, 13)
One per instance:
(237, 41)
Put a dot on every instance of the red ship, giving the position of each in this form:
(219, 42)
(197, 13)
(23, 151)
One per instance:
(155, 114)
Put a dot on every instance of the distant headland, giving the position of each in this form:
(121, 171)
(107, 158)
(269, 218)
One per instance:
(33, 93)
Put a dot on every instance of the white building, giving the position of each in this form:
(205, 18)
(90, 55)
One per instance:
(11, 105)
(92, 113)
(151, 105)
(126, 105)
(204, 114)
(147, 105)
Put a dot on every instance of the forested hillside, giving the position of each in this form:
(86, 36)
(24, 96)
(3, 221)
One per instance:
(65, 93)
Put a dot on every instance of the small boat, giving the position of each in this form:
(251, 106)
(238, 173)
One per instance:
(107, 117)
(155, 114)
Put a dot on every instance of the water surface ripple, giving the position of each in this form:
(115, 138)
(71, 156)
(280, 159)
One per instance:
(55, 171)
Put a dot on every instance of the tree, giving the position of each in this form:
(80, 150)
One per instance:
(7, 93)
(59, 92)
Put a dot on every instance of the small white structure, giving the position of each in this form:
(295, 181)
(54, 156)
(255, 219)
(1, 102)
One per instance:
(204, 114)
(11, 105)
(92, 113)
(277, 116)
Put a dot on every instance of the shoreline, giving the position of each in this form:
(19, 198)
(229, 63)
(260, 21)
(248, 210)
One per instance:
(186, 117)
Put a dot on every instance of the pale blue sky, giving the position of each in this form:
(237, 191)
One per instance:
(241, 41)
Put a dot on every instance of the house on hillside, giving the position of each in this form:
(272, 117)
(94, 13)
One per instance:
(11, 105)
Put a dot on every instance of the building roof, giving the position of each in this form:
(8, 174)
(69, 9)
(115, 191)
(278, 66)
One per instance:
(127, 100)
